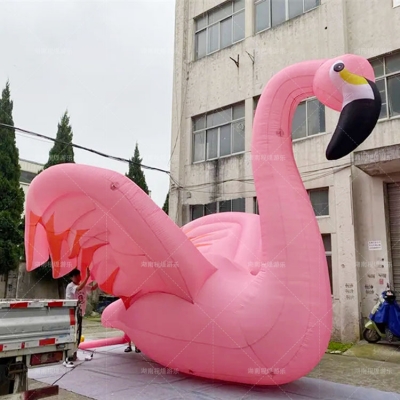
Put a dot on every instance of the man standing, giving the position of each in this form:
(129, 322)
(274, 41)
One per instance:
(77, 290)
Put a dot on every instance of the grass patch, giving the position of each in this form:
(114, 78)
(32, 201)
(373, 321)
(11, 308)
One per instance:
(94, 319)
(337, 346)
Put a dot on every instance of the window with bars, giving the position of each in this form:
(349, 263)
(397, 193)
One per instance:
(271, 13)
(387, 74)
(219, 28)
(219, 133)
(200, 210)
(309, 119)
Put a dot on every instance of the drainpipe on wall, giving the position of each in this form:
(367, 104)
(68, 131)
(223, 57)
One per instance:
(345, 30)
(356, 244)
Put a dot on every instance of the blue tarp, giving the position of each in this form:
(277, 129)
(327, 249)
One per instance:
(388, 314)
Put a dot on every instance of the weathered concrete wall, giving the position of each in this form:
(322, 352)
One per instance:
(32, 286)
(356, 200)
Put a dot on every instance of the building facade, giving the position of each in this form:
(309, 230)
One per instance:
(29, 170)
(225, 53)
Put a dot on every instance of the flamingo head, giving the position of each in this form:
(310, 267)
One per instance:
(346, 84)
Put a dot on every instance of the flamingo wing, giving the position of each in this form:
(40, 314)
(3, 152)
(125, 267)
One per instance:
(83, 216)
(232, 235)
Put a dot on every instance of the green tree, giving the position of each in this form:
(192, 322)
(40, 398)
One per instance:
(12, 195)
(135, 172)
(166, 204)
(62, 152)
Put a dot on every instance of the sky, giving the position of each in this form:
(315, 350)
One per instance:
(109, 63)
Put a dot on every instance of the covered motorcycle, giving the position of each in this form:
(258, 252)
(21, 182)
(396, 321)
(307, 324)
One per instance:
(386, 315)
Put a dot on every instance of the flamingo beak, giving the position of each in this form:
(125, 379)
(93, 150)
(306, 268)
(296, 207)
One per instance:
(360, 111)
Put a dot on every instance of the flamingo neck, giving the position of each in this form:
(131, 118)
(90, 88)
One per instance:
(286, 215)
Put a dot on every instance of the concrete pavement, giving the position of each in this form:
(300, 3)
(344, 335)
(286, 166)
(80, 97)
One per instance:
(385, 352)
(354, 368)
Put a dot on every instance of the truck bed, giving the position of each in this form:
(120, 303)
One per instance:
(36, 326)
(33, 333)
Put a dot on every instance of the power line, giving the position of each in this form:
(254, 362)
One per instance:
(86, 149)
(196, 188)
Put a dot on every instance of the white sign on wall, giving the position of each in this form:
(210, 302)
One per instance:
(396, 3)
(374, 245)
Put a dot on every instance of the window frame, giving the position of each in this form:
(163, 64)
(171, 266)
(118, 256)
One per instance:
(256, 208)
(256, 100)
(27, 177)
(219, 21)
(306, 101)
(287, 17)
(328, 254)
(217, 207)
(205, 129)
(385, 77)
(321, 189)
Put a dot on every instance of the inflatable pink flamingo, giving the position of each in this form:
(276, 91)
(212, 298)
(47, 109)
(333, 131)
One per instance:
(232, 296)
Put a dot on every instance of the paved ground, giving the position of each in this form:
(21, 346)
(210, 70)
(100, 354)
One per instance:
(365, 365)
(90, 328)
(384, 352)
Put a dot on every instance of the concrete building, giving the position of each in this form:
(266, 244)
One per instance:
(29, 170)
(225, 53)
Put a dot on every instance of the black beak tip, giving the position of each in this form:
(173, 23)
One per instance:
(356, 122)
(333, 152)
(329, 156)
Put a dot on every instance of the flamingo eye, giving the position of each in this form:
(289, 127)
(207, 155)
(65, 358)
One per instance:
(338, 67)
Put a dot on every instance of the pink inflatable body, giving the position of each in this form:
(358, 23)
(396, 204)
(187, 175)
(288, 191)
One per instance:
(231, 296)
(113, 341)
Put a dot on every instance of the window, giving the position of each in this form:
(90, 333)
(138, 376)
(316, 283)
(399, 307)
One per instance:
(219, 134)
(235, 205)
(270, 13)
(219, 28)
(256, 99)
(326, 238)
(320, 201)
(328, 252)
(27, 177)
(197, 211)
(387, 74)
(309, 119)
(255, 206)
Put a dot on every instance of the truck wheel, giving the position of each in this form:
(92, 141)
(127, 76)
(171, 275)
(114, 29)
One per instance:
(371, 336)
